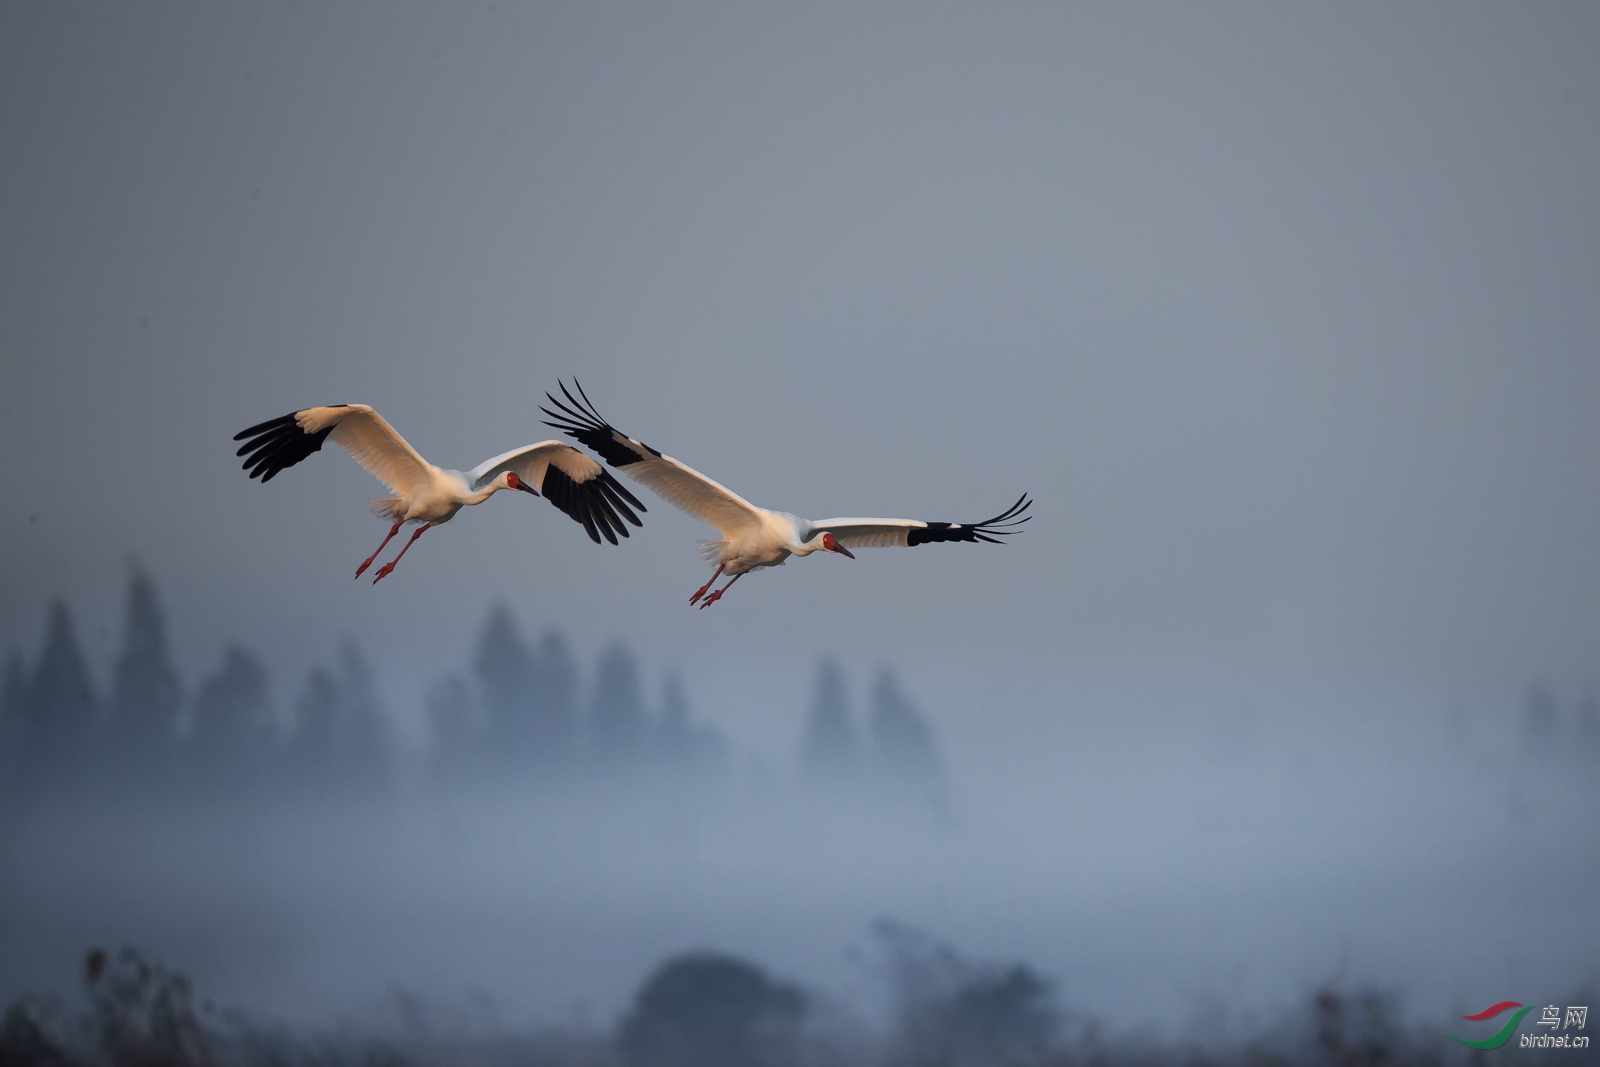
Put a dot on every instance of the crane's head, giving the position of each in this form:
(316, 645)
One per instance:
(831, 544)
(514, 482)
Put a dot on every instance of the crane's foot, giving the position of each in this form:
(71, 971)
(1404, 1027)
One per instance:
(714, 597)
(698, 593)
(387, 567)
(363, 568)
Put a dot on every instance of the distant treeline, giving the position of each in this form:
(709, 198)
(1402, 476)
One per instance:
(520, 708)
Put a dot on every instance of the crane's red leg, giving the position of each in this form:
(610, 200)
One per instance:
(387, 567)
(714, 597)
(698, 593)
(363, 568)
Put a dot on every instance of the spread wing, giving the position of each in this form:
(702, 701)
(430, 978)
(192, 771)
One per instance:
(572, 482)
(681, 486)
(282, 442)
(888, 533)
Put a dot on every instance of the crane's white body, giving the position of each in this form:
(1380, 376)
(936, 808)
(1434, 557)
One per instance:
(766, 540)
(425, 492)
(430, 495)
(755, 537)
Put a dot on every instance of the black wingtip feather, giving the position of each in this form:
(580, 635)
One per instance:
(608, 487)
(277, 444)
(988, 531)
(607, 507)
(581, 422)
(621, 490)
(586, 503)
(281, 420)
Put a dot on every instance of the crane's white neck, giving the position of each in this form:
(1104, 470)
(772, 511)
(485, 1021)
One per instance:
(805, 548)
(478, 497)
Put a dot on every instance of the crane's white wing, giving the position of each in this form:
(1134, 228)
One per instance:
(360, 431)
(908, 533)
(681, 486)
(571, 481)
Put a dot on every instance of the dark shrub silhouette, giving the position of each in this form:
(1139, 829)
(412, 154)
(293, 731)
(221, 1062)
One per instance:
(140, 1014)
(712, 1010)
(956, 1012)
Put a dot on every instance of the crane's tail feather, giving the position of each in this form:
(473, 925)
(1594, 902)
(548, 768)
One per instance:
(387, 507)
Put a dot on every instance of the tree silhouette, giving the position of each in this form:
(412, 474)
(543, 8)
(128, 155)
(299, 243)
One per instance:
(146, 696)
(830, 748)
(58, 730)
(527, 695)
(905, 748)
(340, 744)
(314, 749)
(13, 709)
(457, 740)
(365, 726)
(233, 735)
(617, 721)
(554, 685)
(682, 744)
(503, 667)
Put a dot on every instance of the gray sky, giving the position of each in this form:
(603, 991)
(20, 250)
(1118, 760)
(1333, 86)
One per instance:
(1286, 315)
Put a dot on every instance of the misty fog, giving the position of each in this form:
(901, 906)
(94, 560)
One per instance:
(569, 820)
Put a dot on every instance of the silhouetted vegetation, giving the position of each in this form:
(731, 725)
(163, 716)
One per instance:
(134, 1013)
(522, 712)
(830, 752)
(710, 1009)
(179, 783)
(900, 758)
(956, 1011)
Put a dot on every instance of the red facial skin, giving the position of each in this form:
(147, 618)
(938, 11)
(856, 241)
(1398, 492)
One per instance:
(832, 544)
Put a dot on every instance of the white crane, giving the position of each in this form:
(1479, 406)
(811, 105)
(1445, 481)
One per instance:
(431, 495)
(755, 537)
